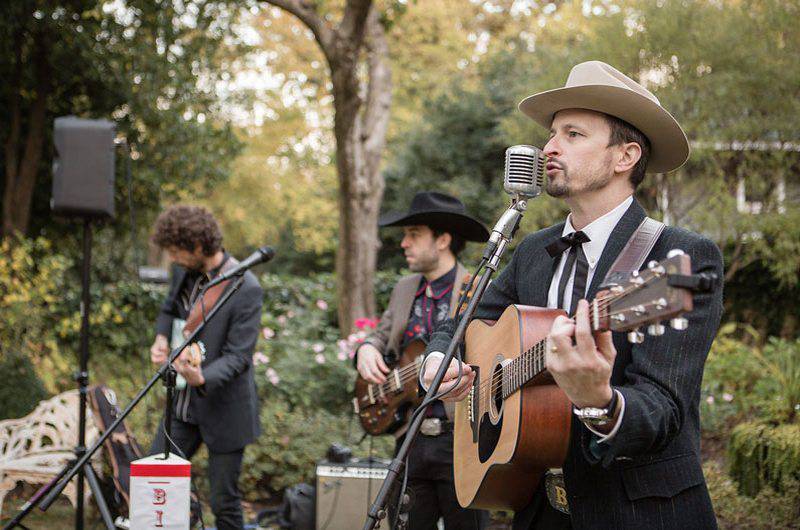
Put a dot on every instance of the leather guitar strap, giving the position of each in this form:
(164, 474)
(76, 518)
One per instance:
(630, 259)
(637, 248)
(203, 304)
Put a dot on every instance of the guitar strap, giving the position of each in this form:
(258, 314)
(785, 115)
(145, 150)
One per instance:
(636, 249)
(630, 259)
(203, 304)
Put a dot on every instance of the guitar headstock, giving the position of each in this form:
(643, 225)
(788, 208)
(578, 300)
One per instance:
(632, 300)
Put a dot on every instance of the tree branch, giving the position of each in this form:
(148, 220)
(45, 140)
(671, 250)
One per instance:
(379, 90)
(353, 25)
(308, 15)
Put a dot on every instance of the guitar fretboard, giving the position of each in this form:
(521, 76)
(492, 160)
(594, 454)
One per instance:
(528, 365)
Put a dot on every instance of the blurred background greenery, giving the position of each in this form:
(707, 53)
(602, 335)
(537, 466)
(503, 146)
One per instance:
(229, 104)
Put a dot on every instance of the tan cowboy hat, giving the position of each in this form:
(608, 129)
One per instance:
(595, 85)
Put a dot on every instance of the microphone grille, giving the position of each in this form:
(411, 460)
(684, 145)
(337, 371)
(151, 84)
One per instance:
(524, 172)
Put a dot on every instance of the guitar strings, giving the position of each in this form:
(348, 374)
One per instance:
(409, 372)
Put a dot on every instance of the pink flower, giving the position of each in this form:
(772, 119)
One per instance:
(282, 320)
(273, 377)
(318, 347)
(710, 400)
(260, 358)
(352, 353)
(319, 358)
(268, 333)
(342, 355)
(362, 323)
(322, 304)
(727, 397)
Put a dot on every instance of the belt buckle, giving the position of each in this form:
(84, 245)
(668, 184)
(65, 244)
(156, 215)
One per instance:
(556, 491)
(431, 427)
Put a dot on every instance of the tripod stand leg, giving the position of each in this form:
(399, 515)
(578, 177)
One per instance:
(94, 486)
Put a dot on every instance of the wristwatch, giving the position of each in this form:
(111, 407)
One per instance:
(597, 417)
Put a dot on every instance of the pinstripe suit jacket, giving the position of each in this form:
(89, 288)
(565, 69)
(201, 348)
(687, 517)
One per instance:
(649, 474)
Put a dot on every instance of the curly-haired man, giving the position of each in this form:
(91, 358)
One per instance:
(217, 404)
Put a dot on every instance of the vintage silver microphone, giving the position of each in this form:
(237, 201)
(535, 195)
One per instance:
(524, 172)
(523, 180)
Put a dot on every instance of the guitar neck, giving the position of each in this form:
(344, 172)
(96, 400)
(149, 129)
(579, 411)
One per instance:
(531, 362)
(524, 368)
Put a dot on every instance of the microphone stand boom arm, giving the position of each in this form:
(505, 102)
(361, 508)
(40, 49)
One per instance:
(501, 236)
(57, 487)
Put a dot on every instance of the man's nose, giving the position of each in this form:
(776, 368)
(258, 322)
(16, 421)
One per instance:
(551, 148)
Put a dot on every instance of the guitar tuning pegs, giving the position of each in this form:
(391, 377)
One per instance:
(652, 264)
(656, 330)
(675, 252)
(635, 337)
(679, 323)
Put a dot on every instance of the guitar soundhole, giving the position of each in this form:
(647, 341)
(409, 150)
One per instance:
(489, 430)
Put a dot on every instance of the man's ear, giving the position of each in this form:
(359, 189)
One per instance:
(629, 155)
(443, 241)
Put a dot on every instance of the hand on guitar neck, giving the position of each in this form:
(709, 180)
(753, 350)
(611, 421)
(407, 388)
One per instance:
(583, 369)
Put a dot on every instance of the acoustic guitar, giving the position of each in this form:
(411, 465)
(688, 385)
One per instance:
(382, 408)
(515, 422)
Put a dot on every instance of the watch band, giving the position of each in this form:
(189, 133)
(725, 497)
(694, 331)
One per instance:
(598, 416)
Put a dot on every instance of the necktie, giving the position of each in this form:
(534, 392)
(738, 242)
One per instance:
(576, 258)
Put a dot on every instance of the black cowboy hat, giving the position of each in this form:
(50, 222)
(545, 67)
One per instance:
(442, 211)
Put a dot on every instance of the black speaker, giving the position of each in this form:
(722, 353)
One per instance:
(83, 170)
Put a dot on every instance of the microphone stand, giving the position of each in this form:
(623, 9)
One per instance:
(501, 236)
(49, 493)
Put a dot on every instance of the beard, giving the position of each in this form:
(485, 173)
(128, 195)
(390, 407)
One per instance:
(424, 263)
(560, 187)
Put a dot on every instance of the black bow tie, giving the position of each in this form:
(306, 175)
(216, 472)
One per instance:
(557, 247)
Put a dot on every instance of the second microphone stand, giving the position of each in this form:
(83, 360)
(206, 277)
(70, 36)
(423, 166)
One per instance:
(501, 236)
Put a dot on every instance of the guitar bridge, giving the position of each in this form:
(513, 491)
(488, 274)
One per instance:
(474, 403)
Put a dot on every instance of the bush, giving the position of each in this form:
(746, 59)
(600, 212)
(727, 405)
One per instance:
(764, 455)
(33, 280)
(767, 510)
(13, 403)
(744, 379)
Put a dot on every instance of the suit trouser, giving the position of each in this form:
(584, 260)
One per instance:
(432, 489)
(223, 472)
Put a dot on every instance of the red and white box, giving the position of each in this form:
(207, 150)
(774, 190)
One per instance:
(160, 493)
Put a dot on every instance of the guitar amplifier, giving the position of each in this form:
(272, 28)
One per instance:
(345, 491)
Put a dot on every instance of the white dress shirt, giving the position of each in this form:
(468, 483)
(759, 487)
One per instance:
(598, 232)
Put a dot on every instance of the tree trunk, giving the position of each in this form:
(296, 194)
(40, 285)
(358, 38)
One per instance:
(361, 105)
(360, 140)
(20, 178)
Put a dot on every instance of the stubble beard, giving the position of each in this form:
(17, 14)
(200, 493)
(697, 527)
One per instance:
(560, 188)
(424, 264)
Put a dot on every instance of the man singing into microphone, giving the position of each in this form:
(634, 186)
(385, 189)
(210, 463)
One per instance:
(216, 403)
(436, 228)
(634, 455)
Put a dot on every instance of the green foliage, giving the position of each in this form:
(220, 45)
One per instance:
(17, 368)
(305, 378)
(765, 455)
(767, 510)
(745, 379)
(292, 442)
(33, 280)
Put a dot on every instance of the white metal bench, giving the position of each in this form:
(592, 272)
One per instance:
(35, 448)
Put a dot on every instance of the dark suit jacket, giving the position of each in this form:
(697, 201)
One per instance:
(649, 474)
(226, 407)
